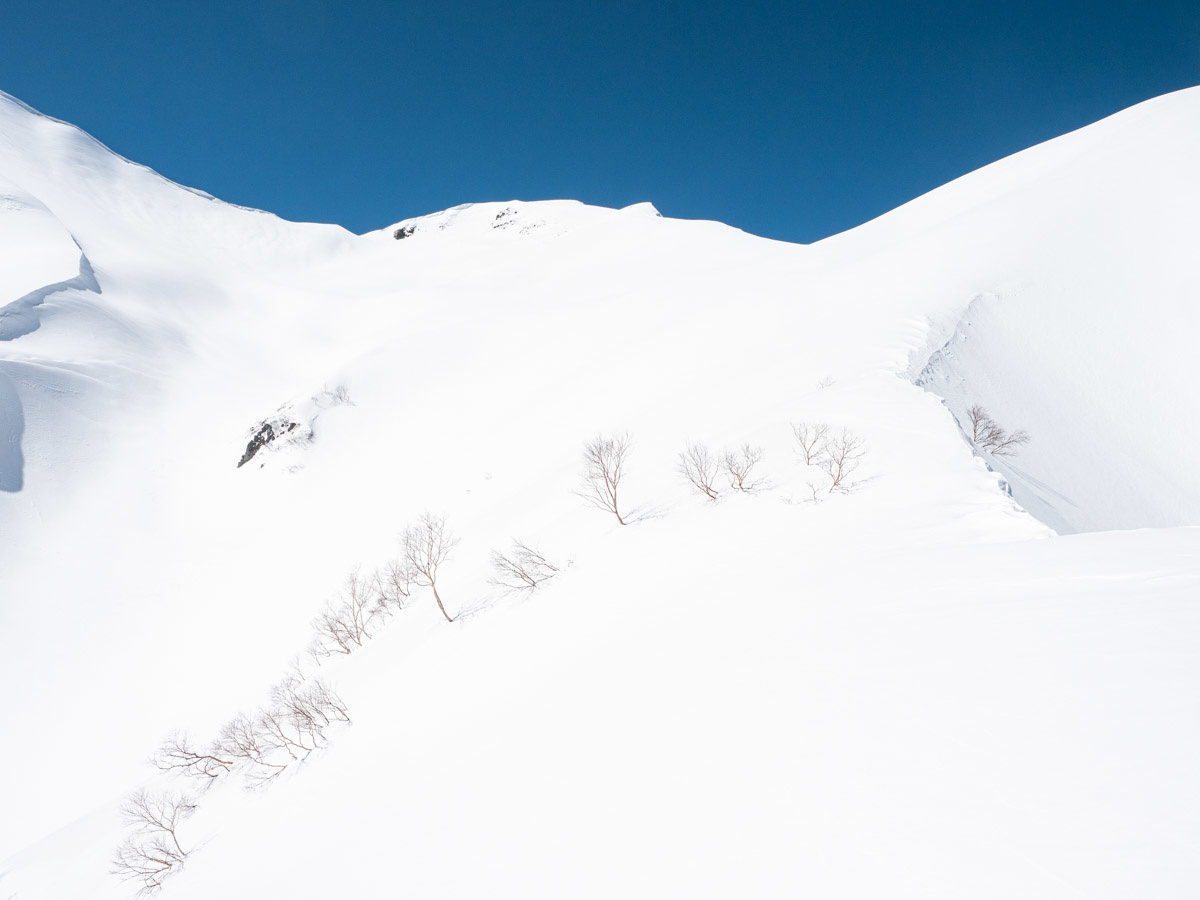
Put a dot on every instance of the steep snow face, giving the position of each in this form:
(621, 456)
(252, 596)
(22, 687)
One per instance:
(718, 698)
(1065, 305)
(110, 279)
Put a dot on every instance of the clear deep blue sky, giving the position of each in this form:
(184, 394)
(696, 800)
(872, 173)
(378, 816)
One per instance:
(792, 120)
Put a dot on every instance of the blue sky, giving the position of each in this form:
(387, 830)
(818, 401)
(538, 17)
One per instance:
(787, 119)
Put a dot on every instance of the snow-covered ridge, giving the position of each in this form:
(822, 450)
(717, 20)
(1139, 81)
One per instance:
(514, 217)
(723, 698)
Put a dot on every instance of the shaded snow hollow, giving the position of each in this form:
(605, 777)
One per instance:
(741, 698)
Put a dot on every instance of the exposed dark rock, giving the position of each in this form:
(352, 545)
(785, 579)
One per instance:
(265, 434)
(403, 232)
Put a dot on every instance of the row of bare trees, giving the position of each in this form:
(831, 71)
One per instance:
(704, 470)
(283, 732)
(605, 462)
(365, 603)
(295, 722)
(836, 453)
(151, 852)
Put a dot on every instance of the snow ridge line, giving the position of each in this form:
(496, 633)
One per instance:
(20, 318)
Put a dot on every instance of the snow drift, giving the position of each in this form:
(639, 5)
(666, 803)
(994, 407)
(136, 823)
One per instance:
(965, 677)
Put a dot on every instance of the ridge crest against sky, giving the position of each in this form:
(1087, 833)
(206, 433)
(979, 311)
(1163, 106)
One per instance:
(790, 120)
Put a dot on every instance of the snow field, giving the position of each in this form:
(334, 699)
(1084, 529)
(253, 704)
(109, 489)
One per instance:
(913, 689)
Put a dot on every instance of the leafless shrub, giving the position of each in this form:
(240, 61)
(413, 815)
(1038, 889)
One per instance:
(321, 696)
(343, 626)
(313, 703)
(811, 436)
(285, 731)
(827, 381)
(739, 466)
(152, 852)
(285, 735)
(840, 457)
(426, 546)
(986, 433)
(700, 468)
(394, 584)
(294, 723)
(604, 461)
(521, 569)
(177, 754)
(242, 739)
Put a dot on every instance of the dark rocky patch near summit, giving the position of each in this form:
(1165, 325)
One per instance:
(265, 434)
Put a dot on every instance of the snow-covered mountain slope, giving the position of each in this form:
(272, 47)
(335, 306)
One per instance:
(1075, 313)
(912, 688)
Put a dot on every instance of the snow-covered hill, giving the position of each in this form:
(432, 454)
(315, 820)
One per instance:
(965, 676)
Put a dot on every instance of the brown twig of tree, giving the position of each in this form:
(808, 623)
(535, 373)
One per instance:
(811, 436)
(521, 569)
(699, 467)
(604, 460)
(840, 456)
(426, 546)
(178, 755)
(739, 466)
(152, 851)
(986, 433)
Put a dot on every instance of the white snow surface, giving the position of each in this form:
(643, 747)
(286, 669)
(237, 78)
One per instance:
(966, 677)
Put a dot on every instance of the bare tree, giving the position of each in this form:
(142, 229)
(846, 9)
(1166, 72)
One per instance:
(394, 584)
(322, 697)
(840, 456)
(986, 433)
(177, 754)
(426, 546)
(343, 627)
(521, 569)
(241, 739)
(152, 851)
(285, 731)
(294, 723)
(700, 468)
(811, 437)
(739, 466)
(313, 703)
(604, 461)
